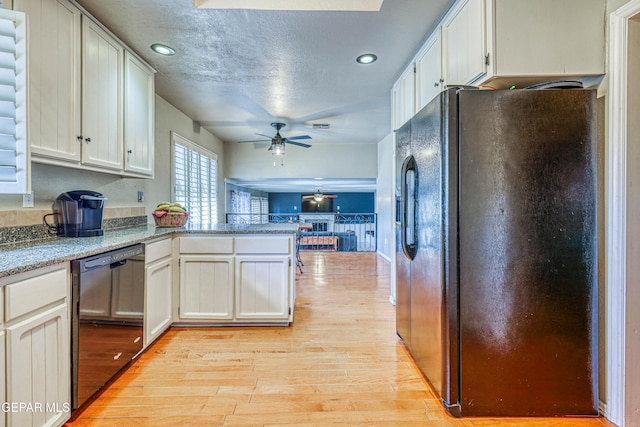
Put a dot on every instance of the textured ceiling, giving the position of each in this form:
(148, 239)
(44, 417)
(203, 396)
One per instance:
(236, 71)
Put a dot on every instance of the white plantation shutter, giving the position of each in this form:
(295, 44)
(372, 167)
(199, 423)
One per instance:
(255, 210)
(264, 202)
(14, 153)
(195, 180)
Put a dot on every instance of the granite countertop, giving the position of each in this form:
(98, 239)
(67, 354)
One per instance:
(21, 257)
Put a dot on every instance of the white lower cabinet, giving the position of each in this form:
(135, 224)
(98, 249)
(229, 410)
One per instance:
(158, 289)
(157, 299)
(236, 279)
(206, 287)
(3, 382)
(37, 338)
(262, 290)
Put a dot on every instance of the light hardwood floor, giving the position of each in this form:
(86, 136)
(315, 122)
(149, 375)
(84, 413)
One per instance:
(340, 363)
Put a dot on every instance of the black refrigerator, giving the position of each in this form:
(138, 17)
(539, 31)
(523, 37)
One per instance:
(496, 263)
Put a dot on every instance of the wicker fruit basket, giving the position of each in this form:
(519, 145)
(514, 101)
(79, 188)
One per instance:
(170, 219)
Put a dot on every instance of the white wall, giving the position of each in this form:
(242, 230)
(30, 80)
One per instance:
(321, 160)
(49, 181)
(169, 119)
(385, 197)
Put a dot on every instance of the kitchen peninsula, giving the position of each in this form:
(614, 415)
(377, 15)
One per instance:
(195, 275)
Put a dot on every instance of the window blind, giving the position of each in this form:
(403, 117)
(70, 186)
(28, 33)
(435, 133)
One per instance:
(195, 180)
(14, 153)
(256, 218)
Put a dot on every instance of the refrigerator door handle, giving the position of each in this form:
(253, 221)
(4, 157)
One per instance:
(409, 190)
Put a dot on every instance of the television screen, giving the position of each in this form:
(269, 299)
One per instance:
(310, 205)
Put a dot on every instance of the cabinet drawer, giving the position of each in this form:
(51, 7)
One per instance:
(263, 245)
(31, 294)
(157, 250)
(206, 245)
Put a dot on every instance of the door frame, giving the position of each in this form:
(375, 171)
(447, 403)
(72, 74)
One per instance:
(616, 211)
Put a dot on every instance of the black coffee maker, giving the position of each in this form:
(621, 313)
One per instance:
(78, 214)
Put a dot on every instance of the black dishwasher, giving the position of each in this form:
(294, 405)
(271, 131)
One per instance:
(107, 318)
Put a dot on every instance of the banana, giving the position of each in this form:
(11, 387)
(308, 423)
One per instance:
(170, 207)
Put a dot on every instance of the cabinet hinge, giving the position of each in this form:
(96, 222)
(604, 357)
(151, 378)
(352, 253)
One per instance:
(289, 311)
(415, 69)
(179, 262)
(486, 59)
(289, 262)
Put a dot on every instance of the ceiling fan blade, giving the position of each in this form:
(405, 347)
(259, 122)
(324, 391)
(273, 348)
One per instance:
(299, 144)
(330, 196)
(262, 134)
(307, 197)
(255, 140)
(298, 137)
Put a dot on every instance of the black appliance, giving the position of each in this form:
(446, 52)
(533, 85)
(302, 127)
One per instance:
(78, 214)
(496, 250)
(107, 318)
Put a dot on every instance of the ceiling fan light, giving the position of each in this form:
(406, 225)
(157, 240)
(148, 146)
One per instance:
(277, 149)
(318, 197)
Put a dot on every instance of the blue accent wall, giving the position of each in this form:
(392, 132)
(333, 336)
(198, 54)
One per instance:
(291, 203)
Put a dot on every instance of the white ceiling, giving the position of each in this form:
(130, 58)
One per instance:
(236, 70)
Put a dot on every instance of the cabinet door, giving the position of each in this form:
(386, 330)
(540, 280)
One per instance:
(101, 97)
(38, 368)
(138, 116)
(157, 300)
(206, 287)
(262, 287)
(464, 37)
(429, 81)
(2, 376)
(54, 77)
(404, 97)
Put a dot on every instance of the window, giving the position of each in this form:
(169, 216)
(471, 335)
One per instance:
(14, 153)
(195, 179)
(259, 210)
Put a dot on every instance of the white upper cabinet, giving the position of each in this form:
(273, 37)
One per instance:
(547, 37)
(403, 98)
(54, 77)
(91, 100)
(463, 34)
(102, 69)
(520, 42)
(504, 43)
(429, 79)
(138, 115)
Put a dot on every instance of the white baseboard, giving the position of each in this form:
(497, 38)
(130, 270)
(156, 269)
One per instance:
(383, 256)
(602, 408)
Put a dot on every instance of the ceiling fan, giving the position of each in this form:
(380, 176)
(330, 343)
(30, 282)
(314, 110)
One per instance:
(278, 142)
(318, 196)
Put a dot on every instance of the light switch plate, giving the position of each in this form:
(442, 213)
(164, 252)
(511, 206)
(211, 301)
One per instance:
(27, 200)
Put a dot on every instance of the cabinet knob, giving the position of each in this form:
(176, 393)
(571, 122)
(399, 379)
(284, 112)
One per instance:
(436, 84)
(129, 151)
(79, 138)
(87, 140)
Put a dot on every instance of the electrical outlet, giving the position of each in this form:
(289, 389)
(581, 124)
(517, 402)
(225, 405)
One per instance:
(27, 200)
(140, 196)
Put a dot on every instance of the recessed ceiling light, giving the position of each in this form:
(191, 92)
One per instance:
(367, 58)
(163, 49)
